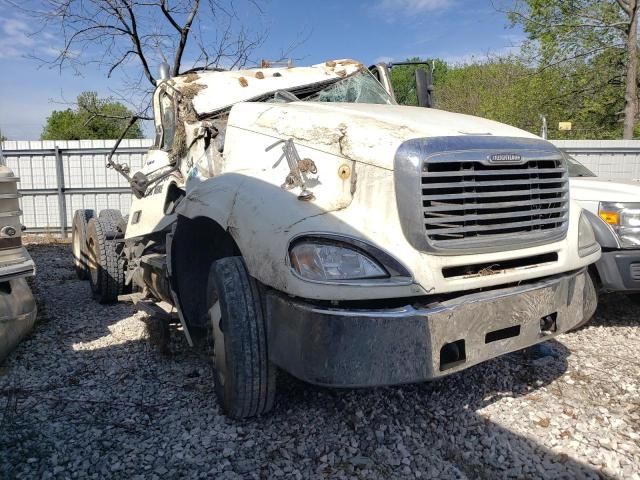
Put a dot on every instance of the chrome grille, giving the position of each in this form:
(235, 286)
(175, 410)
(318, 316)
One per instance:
(465, 200)
(480, 193)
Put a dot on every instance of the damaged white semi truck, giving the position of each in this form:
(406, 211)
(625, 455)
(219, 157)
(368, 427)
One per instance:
(307, 222)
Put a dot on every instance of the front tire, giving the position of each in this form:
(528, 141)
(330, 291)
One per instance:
(245, 379)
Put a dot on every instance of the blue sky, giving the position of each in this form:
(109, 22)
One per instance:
(455, 30)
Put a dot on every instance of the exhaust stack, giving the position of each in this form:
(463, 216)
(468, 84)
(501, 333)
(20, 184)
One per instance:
(164, 71)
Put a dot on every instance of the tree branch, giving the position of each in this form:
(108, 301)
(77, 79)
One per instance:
(167, 14)
(110, 34)
(136, 41)
(119, 62)
(184, 35)
(625, 6)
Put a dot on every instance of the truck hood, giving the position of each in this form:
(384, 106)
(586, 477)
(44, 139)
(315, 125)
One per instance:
(362, 132)
(604, 190)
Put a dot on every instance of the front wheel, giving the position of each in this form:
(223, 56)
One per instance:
(245, 380)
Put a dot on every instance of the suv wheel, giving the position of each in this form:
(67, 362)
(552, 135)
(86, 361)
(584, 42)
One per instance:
(244, 378)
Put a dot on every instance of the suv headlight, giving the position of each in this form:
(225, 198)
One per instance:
(624, 219)
(334, 258)
(587, 243)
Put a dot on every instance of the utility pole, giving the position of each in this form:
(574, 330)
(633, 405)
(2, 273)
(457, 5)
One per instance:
(544, 133)
(2, 162)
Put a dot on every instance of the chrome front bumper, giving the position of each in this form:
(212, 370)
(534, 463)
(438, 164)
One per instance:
(349, 348)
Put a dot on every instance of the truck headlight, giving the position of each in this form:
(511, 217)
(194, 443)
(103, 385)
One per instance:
(587, 243)
(322, 261)
(624, 219)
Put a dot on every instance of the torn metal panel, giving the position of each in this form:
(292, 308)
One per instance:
(244, 85)
(251, 154)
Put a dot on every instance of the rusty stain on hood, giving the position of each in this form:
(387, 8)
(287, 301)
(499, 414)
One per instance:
(359, 140)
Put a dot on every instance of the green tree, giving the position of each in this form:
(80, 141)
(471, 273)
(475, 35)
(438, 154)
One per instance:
(93, 119)
(478, 88)
(561, 32)
(511, 91)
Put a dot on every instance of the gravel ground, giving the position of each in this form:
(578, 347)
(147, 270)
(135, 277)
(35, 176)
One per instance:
(90, 395)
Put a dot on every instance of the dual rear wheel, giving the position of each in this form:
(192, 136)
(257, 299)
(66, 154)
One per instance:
(106, 267)
(95, 251)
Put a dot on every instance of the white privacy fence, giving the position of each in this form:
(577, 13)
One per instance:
(59, 177)
(606, 158)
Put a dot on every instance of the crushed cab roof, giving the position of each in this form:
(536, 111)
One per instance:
(215, 91)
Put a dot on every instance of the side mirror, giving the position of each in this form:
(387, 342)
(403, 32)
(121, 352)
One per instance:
(424, 88)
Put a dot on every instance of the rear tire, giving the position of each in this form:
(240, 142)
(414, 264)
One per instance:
(245, 379)
(114, 218)
(79, 242)
(105, 265)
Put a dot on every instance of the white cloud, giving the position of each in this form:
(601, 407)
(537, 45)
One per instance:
(414, 6)
(17, 40)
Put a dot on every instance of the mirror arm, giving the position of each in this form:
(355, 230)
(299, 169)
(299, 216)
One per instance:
(122, 168)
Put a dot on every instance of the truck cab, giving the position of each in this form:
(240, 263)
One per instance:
(307, 222)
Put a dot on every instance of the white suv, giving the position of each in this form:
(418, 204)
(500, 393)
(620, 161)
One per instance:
(615, 208)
